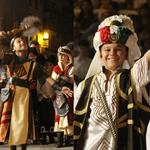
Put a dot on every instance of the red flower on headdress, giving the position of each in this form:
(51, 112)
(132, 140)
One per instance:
(104, 34)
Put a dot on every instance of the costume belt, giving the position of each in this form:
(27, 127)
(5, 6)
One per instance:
(19, 82)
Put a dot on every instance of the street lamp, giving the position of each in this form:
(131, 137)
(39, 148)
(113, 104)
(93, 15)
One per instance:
(46, 39)
(43, 39)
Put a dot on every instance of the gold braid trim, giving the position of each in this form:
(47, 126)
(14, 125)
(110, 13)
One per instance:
(76, 137)
(121, 122)
(142, 127)
(83, 111)
(122, 118)
(83, 85)
(132, 79)
(138, 129)
(143, 107)
(121, 125)
(130, 90)
(130, 121)
(132, 86)
(78, 124)
(121, 93)
(130, 106)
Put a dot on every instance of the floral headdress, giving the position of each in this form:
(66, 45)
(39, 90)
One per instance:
(114, 33)
(115, 29)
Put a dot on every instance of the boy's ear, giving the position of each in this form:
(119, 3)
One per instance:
(100, 55)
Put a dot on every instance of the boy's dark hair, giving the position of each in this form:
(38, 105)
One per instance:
(34, 42)
(33, 50)
(52, 59)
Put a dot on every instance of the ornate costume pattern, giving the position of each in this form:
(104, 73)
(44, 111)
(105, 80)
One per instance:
(22, 116)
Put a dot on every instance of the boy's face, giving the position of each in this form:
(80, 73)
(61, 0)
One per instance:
(113, 55)
(32, 56)
(63, 58)
(20, 44)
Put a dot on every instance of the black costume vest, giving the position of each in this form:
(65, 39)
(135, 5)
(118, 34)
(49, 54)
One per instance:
(132, 118)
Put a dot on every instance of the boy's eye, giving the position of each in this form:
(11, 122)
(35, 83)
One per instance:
(118, 49)
(107, 50)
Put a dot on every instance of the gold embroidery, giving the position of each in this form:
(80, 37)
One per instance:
(121, 125)
(130, 121)
(141, 106)
(121, 93)
(142, 127)
(83, 85)
(122, 118)
(83, 111)
(76, 137)
(130, 90)
(132, 79)
(78, 124)
(121, 122)
(138, 129)
(20, 70)
(130, 106)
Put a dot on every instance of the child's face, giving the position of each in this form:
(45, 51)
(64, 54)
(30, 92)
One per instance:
(32, 56)
(63, 58)
(20, 44)
(113, 55)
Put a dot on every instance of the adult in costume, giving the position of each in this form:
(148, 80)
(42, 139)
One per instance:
(63, 76)
(17, 121)
(112, 110)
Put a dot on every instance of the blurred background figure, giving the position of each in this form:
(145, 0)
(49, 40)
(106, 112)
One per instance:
(85, 16)
(45, 107)
(144, 30)
(33, 54)
(82, 60)
(35, 44)
(63, 76)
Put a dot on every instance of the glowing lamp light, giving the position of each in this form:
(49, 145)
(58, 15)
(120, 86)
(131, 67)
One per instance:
(40, 39)
(45, 36)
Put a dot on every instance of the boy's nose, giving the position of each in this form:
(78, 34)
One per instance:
(112, 51)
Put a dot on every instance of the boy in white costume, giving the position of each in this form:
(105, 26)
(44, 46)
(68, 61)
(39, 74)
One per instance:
(112, 111)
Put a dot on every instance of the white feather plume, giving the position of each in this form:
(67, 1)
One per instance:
(31, 25)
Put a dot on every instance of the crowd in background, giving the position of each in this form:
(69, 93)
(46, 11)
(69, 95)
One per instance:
(49, 80)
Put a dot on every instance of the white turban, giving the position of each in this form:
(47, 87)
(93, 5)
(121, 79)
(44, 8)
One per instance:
(119, 29)
(66, 51)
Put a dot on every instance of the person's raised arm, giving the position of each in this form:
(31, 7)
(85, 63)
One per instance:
(148, 57)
